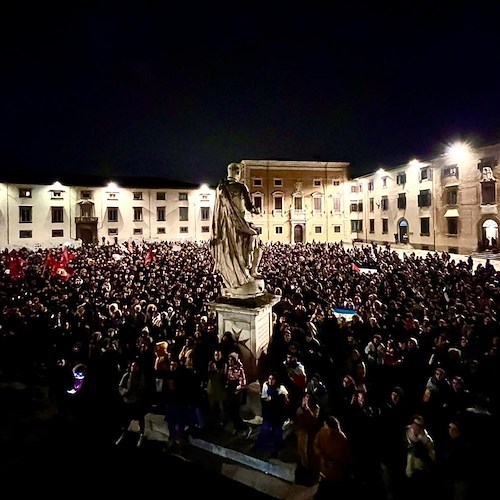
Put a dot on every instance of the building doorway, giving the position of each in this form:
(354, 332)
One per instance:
(489, 236)
(86, 234)
(403, 232)
(298, 233)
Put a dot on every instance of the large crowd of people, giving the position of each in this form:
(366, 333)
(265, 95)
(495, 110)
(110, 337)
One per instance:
(408, 383)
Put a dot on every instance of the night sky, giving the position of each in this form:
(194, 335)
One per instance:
(181, 92)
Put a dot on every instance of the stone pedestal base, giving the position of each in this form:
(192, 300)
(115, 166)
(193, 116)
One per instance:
(252, 289)
(250, 322)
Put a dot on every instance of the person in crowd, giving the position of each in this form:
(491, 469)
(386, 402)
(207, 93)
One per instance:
(274, 404)
(216, 388)
(134, 391)
(393, 417)
(236, 387)
(420, 459)
(335, 457)
(307, 424)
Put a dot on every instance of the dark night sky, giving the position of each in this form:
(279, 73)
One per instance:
(181, 93)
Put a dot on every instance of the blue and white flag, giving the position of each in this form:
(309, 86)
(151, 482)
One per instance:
(344, 313)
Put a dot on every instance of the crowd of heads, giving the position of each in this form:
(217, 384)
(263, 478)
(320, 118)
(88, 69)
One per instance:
(424, 327)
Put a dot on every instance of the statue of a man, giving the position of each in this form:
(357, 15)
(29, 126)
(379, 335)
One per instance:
(235, 244)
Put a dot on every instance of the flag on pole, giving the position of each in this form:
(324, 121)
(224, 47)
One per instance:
(355, 268)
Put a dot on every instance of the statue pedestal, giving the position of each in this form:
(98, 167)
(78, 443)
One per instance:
(250, 322)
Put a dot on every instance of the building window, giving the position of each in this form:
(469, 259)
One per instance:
(137, 214)
(372, 204)
(450, 171)
(317, 182)
(356, 226)
(112, 196)
(402, 200)
(452, 196)
(425, 223)
(183, 214)
(370, 185)
(112, 231)
(160, 230)
(336, 183)
(385, 226)
(488, 193)
(278, 182)
(258, 229)
(278, 230)
(137, 195)
(278, 203)
(257, 182)
(160, 214)
(183, 229)
(112, 214)
(183, 196)
(205, 213)
(137, 231)
(25, 233)
(25, 214)
(372, 225)
(57, 214)
(318, 229)
(24, 193)
(297, 202)
(161, 195)
(57, 233)
(336, 229)
(257, 201)
(336, 204)
(85, 195)
(317, 203)
(354, 189)
(205, 229)
(354, 207)
(384, 182)
(425, 174)
(424, 198)
(384, 203)
(56, 195)
(452, 223)
(401, 178)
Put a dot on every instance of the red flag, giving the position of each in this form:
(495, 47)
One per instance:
(149, 256)
(66, 257)
(50, 262)
(60, 267)
(355, 268)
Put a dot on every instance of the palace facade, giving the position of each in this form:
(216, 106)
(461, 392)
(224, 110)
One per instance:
(446, 203)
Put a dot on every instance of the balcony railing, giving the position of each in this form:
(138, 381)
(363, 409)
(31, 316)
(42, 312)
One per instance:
(85, 219)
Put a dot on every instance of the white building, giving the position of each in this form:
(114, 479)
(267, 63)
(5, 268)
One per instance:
(446, 203)
(45, 215)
